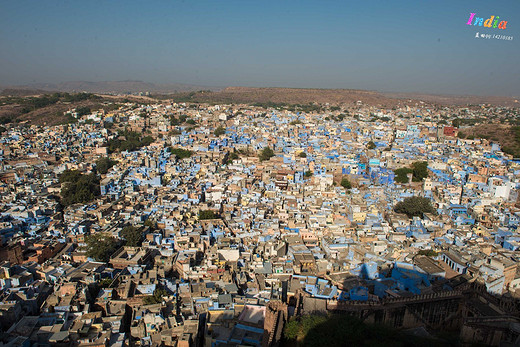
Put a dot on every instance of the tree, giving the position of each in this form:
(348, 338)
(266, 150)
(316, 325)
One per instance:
(401, 175)
(291, 330)
(181, 153)
(104, 164)
(232, 156)
(414, 206)
(345, 183)
(101, 246)
(266, 154)
(151, 223)
(81, 111)
(419, 170)
(207, 214)
(78, 188)
(132, 235)
(174, 121)
(132, 141)
(165, 180)
(105, 282)
(371, 145)
(346, 330)
(428, 252)
(456, 122)
(302, 155)
(70, 176)
(156, 298)
(308, 173)
(219, 131)
(300, 327)
(340, 117)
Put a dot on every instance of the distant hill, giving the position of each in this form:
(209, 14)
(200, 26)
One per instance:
(108, 87)
(331, 96)
(22, 92)
(507, 136)
(49, 108)
(458, 99)
(199, 93)
(247, 95)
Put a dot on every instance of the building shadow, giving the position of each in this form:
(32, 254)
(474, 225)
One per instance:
(406, 306)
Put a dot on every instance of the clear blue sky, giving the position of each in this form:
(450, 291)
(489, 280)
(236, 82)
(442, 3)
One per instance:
(398, 45)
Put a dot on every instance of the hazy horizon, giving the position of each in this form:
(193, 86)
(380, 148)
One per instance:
(398, 47)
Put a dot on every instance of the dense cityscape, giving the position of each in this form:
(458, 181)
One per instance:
(194, 224)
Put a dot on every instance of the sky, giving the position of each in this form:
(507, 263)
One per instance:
(421, 46)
